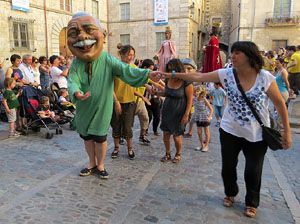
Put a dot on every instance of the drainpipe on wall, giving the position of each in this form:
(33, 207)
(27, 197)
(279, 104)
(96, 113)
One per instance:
(253, 20)
(147, 43)
(239, 22)
(46, 29)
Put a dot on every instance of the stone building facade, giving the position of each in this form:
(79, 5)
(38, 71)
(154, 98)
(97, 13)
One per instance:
(270, 24)
(186, 17)
(42, 30)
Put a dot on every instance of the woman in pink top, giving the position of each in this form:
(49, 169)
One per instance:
(167, 51)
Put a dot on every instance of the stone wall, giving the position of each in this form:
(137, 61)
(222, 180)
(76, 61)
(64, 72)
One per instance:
(143, 31)
(221, 9)
(57, 19)
(254, 28)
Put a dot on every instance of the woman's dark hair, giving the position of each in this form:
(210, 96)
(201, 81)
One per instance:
(14, 57)
(124, 49)
(34, 59)
(41, 59)
(147, 63)
(251, 51)
(52, 58)
(176, 65)
(281, 60)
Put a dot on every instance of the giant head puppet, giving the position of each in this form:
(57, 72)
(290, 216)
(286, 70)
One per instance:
(85, 36)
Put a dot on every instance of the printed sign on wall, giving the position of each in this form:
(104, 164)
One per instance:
(21, 5)
(160, 12)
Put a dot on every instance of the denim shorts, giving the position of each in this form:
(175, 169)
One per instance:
(203, 124)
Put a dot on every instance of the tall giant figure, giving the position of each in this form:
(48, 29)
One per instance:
(91, 85)
(167, 50)
(212, 60)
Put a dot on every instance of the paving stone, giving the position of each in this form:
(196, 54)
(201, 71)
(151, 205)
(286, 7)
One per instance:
(188, 192)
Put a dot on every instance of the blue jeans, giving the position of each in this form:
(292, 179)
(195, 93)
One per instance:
(44, 80)
(219, 110)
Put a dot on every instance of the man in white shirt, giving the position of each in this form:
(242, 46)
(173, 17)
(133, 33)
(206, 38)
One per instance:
(25, 66)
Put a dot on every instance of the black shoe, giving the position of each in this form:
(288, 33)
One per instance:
(87, 171)
(144, 140)
(103, 174)
(122, 142)
(115, 154)
(132, 155)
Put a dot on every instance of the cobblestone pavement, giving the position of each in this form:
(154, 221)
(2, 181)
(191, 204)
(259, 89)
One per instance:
(39, 183)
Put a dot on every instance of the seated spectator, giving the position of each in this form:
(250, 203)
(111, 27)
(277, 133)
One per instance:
(44, 108)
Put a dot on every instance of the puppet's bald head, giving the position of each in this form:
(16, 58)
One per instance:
(85, 36)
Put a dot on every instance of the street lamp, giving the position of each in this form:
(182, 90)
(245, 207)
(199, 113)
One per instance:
(192, 9)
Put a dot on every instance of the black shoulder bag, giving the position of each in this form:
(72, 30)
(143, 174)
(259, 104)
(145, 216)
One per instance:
(271, 136)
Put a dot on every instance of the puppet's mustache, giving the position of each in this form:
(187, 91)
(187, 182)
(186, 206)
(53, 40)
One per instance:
(83, 43)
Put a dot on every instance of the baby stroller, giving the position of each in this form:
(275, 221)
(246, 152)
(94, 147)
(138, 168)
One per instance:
(66, 113)
(3, 116)
(30, 103)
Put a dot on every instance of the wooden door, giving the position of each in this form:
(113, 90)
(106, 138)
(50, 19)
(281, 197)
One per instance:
(63, 46)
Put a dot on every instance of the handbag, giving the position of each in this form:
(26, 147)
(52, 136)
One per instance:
(270, 136)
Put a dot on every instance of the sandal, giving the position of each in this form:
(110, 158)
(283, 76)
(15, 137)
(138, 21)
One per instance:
(131, 155)
(177, 158)
(250, 211)
(87, 171)
(166, 157)
(115, 153)
(228, 201)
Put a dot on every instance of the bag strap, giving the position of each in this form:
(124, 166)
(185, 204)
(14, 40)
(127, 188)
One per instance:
(246, 98)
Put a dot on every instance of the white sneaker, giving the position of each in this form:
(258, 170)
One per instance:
(13, 134)
(198, 148)
(205, 149)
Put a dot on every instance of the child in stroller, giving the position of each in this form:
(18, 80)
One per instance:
(59, 99)
(44, 111)
(63, 94)
(38, 115)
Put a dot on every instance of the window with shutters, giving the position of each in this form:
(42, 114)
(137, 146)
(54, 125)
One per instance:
(125, 11)
(21, 34)
(66, 5)
(95, 8)
(125, 39)
(282, 7)
(160, 37)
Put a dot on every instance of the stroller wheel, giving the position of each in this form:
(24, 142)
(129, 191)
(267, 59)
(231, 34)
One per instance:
(59, 131)
(24, 132)
(72, 126)
(49, 135)
(37, 129)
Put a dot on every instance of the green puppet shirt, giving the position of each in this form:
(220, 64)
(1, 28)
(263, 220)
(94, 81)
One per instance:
(93, 115)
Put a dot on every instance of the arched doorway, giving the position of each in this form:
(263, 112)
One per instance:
(63, 46)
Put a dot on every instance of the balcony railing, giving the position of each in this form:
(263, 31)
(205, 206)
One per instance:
(274, 19)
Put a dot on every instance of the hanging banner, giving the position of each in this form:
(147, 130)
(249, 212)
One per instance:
(21, 5)
(160, 12)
